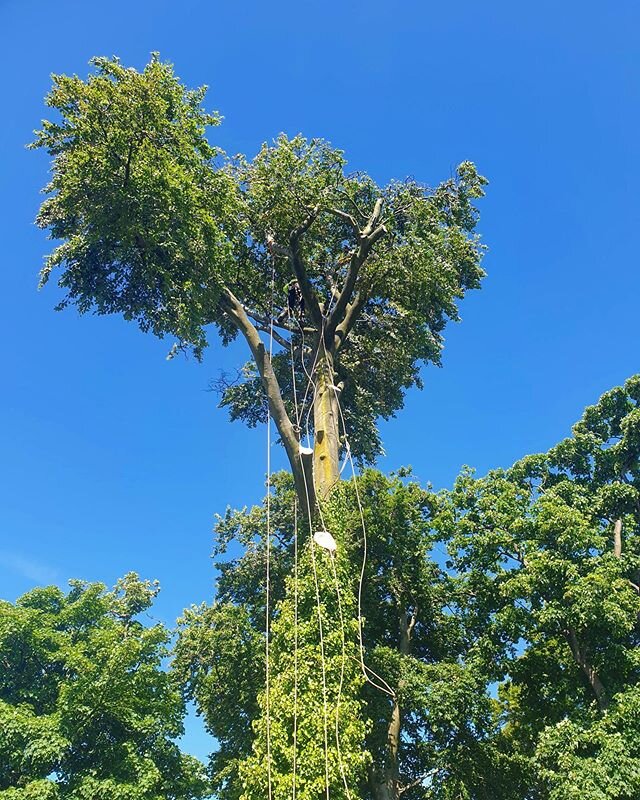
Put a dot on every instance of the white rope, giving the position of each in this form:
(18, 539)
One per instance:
(316, 583)
(311, 382)
(295, 591)
(295, 645)
(322, 651)
(342, 665)
(383, 686)
(268, 553)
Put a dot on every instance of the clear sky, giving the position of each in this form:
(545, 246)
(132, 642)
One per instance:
(114, 459)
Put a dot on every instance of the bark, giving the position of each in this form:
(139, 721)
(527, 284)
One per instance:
(385, 783)
(581, 658)
(314, 475)
(301, 465)
(326, 466)
(617, 538)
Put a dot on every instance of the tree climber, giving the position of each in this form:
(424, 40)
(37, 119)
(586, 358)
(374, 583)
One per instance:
(295, 301)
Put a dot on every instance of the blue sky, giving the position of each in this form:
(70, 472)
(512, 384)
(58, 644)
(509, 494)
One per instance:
(115, 459)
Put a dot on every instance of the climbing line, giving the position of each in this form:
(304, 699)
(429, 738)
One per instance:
(314, 568)
(268, 553)
(383, 686)
(332, 558)
(295, 591)
(322, 649)
(341, 684)
(311, 382)
(295, 645)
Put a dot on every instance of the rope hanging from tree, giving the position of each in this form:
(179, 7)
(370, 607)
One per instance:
(323, 539)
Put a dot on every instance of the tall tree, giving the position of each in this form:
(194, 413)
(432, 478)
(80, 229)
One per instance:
(86, 709)
(352, 281)
(416, 720)
(549, 555)
(502, 667)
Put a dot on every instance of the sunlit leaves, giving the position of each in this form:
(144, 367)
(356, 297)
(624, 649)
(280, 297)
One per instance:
(86, 709)
(155, 223)
(136, 199)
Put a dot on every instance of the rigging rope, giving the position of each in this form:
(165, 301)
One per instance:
(311, 382)
(268, 549)
(366, 671)
(295, 590)
(383, 686)
(295, 645)
(313, 558)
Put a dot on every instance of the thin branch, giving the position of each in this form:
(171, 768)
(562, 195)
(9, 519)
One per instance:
(367, 238)
(417, 781)
(297, 263)
(345, 216)
(267, 325)
(271, 332)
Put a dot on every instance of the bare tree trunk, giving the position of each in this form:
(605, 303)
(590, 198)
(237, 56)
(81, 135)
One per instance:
(301, 465)
(617, 538)
(326, 466)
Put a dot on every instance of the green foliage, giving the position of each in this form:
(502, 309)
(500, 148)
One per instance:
(314, 690)
(157, 224)
(449, 720)
(139, 208)
(548, 554)
(501, 618)
(502, 614)
(594, 757)
(86, 710)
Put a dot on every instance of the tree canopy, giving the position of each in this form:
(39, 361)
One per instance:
(157, 224)
(477, 643)
(86, 708)
(503, 615)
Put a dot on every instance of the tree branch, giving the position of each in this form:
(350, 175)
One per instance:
(351, 315)
(372, 231)
(580, 657)
(271, 332)
(346, 217)
(236, 312)
(266, 325)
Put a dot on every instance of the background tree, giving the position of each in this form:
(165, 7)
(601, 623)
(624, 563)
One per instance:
(417, 720)
(511, 656)
(548, 553)
(86, 709)
(159, 225)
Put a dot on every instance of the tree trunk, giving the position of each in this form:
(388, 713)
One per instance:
(385, 783)
(581, 659)
(326, 466)
(301, 465)
(617, 538)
